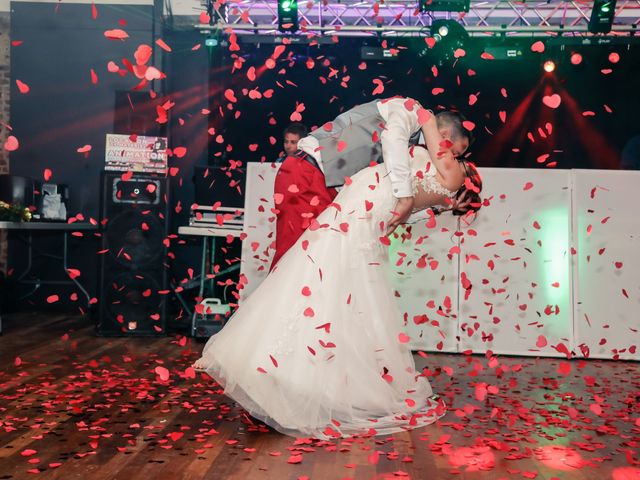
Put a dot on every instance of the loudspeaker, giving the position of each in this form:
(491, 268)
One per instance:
(133, 277)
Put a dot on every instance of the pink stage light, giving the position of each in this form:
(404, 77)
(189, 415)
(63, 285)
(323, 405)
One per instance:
(549, 66)
(626, 473)
(559, 457)
(474, 459)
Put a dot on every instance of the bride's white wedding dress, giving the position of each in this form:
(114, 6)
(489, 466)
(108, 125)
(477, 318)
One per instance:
(318, 349)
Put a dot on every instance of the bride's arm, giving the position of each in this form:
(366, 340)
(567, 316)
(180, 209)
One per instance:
(440, 154)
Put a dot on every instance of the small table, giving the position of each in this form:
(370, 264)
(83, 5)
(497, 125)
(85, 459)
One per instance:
(208, 235)
(65, 228)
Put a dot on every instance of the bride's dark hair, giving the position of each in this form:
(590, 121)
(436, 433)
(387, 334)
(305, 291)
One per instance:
(472, 186)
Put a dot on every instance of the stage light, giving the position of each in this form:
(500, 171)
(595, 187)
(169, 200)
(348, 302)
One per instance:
(448, 32)
(614, 57)
(444, 5)
(288, 15)
(449, 36)
(576, 59)
(602, 16)
(549, 66)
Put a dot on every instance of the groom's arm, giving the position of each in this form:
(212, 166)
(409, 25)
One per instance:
(400, 124)
(401, 121)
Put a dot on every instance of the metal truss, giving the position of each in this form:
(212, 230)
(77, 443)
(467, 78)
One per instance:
(402, 17)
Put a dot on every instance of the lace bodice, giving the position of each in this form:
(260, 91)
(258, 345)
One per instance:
(425, 178)
(427, 190)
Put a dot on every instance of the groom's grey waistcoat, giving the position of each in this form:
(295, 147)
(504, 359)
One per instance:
(356, 129)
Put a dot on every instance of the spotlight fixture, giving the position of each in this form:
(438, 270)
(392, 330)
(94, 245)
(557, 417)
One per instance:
(211, 42)
(448, 32)
(444, 5)
(549, 66)
(443, 31)
(449, 36)
(602, 16)
(288, 15)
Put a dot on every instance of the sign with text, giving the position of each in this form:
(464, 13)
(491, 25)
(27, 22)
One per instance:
(136, 153)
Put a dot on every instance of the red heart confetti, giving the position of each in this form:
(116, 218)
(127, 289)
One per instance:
(162, 373)
(11, 144)
(22, 87)
(379, 87)
(162, 44)
(116, 34)
(537, 47)
(552, 101)
(423, 116)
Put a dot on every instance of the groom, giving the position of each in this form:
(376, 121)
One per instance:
(368, 133)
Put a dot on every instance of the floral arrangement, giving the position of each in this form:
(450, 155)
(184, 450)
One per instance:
(14, 213)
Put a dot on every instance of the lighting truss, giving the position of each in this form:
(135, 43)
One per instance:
(403, 18)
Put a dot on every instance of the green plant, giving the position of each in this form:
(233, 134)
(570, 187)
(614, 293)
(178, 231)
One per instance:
(14, 213)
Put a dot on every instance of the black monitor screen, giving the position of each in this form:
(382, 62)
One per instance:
(219, 184)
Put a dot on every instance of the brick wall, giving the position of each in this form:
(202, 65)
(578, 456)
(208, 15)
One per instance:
(5, 86)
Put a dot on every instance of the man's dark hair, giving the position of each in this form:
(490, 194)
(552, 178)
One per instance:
(296, 128)
(455, 122)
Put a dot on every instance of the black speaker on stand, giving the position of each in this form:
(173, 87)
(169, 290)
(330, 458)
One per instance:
(133, 276)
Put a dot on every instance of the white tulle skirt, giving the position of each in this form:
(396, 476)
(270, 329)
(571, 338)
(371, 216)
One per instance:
(317, 350)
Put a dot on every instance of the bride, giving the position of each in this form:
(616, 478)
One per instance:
(318, 349)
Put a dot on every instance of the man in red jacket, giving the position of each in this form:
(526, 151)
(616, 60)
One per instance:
(300, 195)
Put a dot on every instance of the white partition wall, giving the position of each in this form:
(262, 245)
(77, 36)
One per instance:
(425, 279)
(607, 263)
(259, 225)
(515, 287)
(518, 265)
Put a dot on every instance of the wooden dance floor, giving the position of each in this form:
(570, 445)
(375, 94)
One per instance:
(74, 406)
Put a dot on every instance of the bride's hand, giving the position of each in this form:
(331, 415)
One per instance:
(402, 212)
(461, 203)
